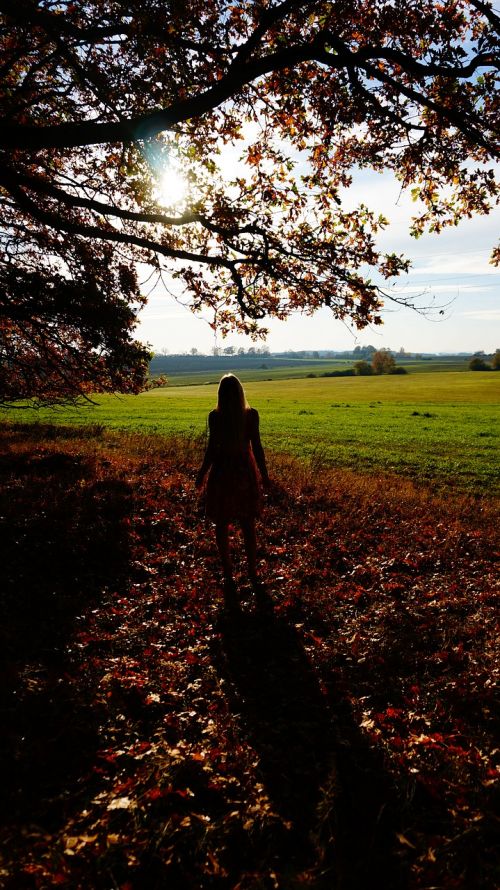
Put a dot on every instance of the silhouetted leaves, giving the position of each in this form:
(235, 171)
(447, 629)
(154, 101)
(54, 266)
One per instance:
(102, 107)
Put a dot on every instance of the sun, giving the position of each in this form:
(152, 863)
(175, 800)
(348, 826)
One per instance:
(171, 189)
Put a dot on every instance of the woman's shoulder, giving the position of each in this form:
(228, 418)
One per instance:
(253, 417)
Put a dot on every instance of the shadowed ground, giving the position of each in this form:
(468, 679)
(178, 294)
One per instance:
(318, 771)
(338, 730)
(63, 543)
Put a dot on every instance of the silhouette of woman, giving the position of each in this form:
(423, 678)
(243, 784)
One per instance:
(233, 453)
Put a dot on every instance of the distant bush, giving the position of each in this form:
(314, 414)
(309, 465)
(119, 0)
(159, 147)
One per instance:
(495, 362)
(311, 375)
(478, 364)
(362, 368)
(349, 372)
(398, 370)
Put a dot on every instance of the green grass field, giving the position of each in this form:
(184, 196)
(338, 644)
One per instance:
(269, 371)
(438, 427)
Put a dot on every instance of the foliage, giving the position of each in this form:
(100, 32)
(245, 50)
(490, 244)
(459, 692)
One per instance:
(341, 730)
(478, 364)
(383, 362)
(495, 362)
(362, 368)
(348, 372)
(62, 337)
(98, 101)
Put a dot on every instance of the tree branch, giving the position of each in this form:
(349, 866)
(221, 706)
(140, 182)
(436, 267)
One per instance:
(134, 129)
(487, 10)
(65, 225)
(41, 186)
(458, 120)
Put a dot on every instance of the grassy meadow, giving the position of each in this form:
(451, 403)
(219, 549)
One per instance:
(434, 426)
(267, 368)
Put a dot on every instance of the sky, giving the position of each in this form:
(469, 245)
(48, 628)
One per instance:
(451, 270)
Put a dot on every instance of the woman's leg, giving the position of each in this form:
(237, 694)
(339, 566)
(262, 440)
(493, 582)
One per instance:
(250, 541)
(222, 540)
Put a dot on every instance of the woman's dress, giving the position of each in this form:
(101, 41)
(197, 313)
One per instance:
(233, 490)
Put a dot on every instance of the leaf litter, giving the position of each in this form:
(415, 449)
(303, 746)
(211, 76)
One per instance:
(341, 729)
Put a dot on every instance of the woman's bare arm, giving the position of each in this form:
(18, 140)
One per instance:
(257, 448)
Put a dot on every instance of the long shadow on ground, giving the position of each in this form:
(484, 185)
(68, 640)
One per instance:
(315, 765)
(63, 540)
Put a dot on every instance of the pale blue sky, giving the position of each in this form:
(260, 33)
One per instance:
(452, 267)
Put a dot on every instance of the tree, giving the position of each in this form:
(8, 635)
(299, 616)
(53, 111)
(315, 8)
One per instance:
(362, 368)
(99, 100)
(62, 337)
(383, 362)
(477, 363)
(495, 362)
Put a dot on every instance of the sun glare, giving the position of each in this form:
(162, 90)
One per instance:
(171, 190)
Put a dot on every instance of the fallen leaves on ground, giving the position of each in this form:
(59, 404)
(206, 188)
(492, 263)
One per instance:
(338, 728)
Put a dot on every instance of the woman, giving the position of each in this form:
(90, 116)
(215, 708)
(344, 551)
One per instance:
(234, 448)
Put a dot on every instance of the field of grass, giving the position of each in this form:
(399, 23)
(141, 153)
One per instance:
(271, 370)
(437, 427)
(264, 374)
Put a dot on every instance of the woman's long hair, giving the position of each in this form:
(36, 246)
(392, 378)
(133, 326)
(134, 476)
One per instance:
(232, 407)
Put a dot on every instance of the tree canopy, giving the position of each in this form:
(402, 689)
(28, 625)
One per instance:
(98, 98)
(383, 362)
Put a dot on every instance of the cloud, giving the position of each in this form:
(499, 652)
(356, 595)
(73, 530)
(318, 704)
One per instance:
(161, 316)
(460, 287)
(452, 288)
(474, 263)
(482, 314)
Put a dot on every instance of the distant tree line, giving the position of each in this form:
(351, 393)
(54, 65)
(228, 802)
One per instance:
(382, 362)
(368, 360)
(478, 362)
(358, 353)
(251, 351)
